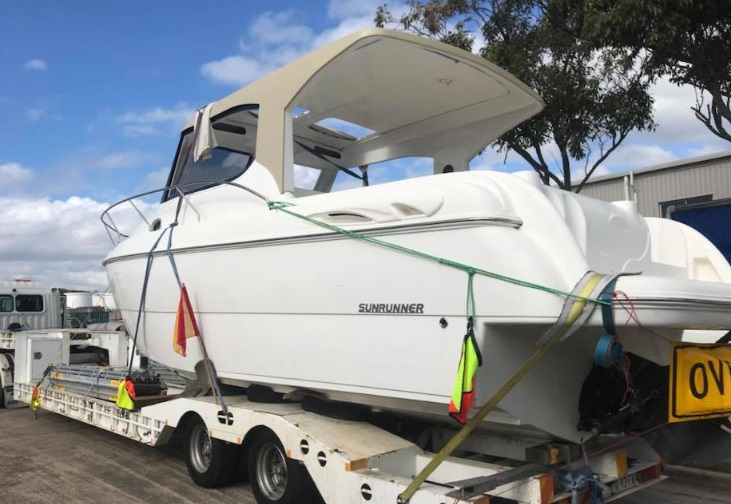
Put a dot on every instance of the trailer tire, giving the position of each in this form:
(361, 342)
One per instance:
(274, 478)
(211, 462)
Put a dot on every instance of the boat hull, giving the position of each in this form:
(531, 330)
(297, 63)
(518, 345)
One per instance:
(307, 309)
(280, 333)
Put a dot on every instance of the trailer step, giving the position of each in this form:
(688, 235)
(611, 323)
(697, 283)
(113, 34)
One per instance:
(481, 485)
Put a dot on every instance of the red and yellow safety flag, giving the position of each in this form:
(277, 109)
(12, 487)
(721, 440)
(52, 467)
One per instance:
(35, 399)
(185, 324)
(126, 394)
(463, 393)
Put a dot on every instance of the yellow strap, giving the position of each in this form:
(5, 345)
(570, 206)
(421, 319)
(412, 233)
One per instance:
(576, 308)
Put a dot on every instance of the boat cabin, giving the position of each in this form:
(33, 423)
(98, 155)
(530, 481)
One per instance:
(343, 115)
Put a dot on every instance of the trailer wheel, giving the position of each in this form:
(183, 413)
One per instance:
(211, 462)
(274, 478)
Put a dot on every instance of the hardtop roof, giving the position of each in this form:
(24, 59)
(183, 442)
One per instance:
(414, 97)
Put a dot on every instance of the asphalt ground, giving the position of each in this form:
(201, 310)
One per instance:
(58, 460)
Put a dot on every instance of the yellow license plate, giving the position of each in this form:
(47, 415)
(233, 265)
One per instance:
(700, 382)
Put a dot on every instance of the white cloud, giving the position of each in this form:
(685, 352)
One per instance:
(344, 9)
(272, 40)
(13, 174)
(345, 27)
(630, 155)
(279, 28)
(154, 180)
(86, 170)
(491, 159)
(305, 177)
(636, 155)
(155, 121)
(123, 159)
(43, 108)
(678, 129)
(276, 38)
(705, 150)
(678, 135)
(672, 112)
(58, 242)
(33, 114)
(35, 64)
(236, 70)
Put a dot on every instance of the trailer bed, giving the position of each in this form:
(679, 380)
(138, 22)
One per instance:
(348, 461)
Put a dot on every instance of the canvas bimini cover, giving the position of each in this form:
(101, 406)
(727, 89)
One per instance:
(412, 96)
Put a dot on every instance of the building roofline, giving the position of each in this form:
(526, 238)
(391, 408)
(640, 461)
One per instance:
(664, 166)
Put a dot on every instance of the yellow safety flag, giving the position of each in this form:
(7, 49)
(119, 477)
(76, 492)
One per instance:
(126, 395)
(35, 401)
(463, 393)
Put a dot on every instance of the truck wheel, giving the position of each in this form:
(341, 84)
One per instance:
(274, 478)
(211, 462)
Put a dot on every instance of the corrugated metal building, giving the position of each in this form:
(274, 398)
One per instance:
(660, 189)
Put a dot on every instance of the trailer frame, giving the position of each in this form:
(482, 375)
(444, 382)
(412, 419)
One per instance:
(353, 461)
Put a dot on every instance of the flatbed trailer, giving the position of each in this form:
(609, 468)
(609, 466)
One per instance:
(295, 456)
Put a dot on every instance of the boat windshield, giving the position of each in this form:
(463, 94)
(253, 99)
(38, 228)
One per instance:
(235, 135)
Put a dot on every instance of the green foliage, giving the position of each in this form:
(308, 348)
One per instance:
(430, 19)
(594, 96)
(688, 40)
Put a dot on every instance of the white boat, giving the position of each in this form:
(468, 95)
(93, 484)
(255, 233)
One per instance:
(287, 303)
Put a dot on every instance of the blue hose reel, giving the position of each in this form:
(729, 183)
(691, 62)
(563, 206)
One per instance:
(608, 351)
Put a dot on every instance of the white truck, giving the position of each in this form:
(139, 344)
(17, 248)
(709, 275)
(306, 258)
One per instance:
(294, 456)
(24, 305)
(29, 305)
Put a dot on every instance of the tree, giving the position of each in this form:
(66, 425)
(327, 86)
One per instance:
(594, 97)
(688, 40)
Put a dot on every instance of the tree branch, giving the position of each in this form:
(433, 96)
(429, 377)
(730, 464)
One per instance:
(605, 155)
(712, 119)
(565, 166)
(551, 175)
(541, 169)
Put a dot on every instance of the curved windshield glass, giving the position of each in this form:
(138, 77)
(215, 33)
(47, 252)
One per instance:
(235, 135)
(224, 164)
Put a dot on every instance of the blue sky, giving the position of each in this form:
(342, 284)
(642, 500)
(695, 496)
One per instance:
(93, 95)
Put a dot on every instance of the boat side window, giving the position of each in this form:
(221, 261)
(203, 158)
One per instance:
(6, 303)
(235, 134)
(28, 303)
(387, 171)
(331, 154)
(317, 146)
